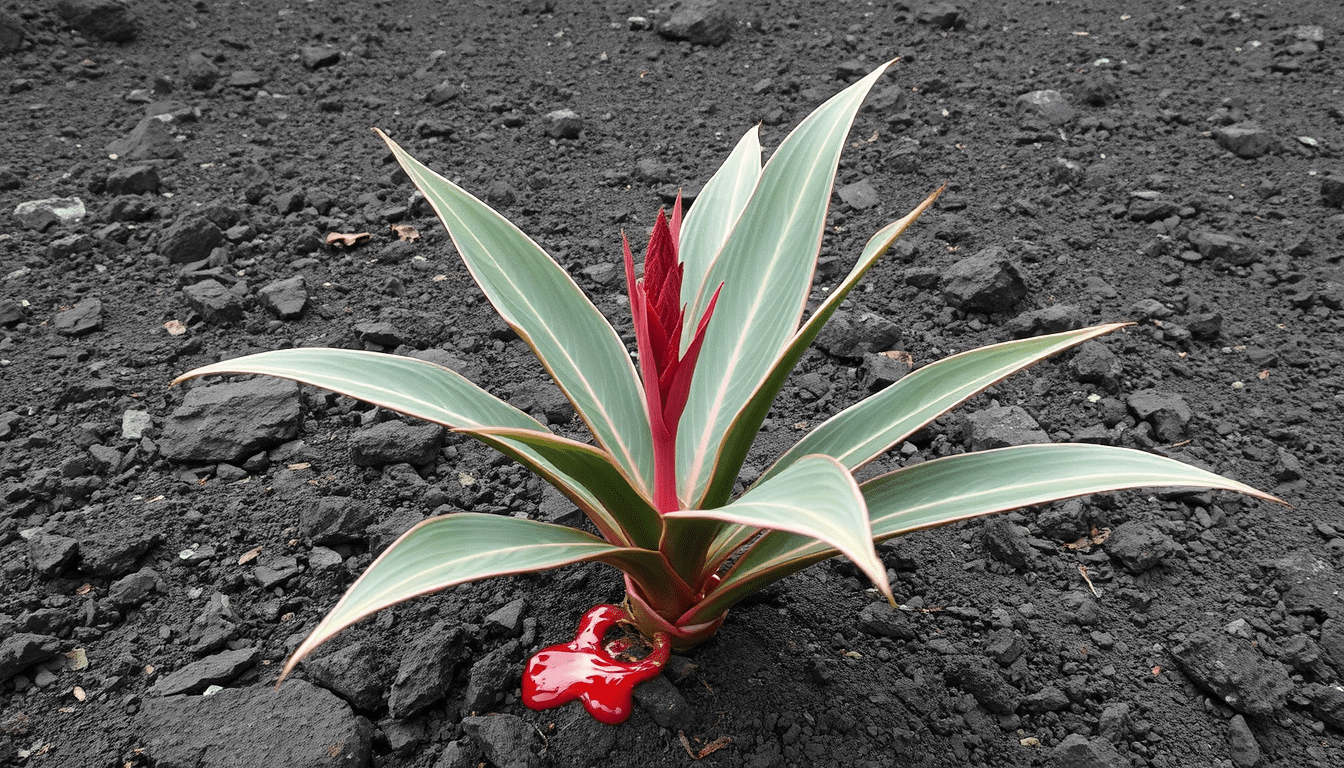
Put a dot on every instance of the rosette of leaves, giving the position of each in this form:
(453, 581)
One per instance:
(720, 323)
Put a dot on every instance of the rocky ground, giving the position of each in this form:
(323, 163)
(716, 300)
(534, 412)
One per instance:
(171, 176)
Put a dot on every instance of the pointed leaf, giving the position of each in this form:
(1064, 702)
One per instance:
(970, 485)
(732, 451)
(766, 268)
(542, 303)
(714, 213)
(815, 498)
(620, 506)
(431, 392)
(454, 549)
(865, 430)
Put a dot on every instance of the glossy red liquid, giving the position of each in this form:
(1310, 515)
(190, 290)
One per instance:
(587, 670)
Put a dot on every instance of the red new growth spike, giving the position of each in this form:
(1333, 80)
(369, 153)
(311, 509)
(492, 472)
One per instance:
(655, 304)
(587, 670)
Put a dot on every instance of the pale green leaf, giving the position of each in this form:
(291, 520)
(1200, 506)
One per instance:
(454, 549)
(711, 219)
(541, 302)
(737, 442)
(632, 516)
(814, 498)
(956, 488)
(431, 392)
(865, 430)
(766, 268)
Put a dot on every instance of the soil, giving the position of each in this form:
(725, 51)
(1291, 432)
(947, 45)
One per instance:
(1023, 644)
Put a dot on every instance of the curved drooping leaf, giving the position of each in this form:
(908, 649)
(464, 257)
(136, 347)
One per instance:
(868, 428)
(732, 451)
(542, 303)
(765, 267)
(969, 485)
(815, 498)
(454, 549)
(628, 512)
(712, 217)
(431, 392)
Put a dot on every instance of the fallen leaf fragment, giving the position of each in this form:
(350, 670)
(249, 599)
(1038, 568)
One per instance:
(1263, 374)
(406, 232)
(705, 751)
(249, 556)
(175, 327)
(79, 694)
(1097, 536)
(348, 240)
(900, 356)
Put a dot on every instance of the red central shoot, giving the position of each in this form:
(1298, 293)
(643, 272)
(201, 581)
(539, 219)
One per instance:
(655, 306)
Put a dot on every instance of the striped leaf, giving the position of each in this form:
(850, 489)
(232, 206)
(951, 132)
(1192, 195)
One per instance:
(970, 485)
(766, 268)
(541, 302)
(431, 392)
(815, 499)
(454, 549)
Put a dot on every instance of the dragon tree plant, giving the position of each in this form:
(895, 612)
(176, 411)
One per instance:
(719, 325)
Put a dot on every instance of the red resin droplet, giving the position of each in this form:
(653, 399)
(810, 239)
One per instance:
(587, 670)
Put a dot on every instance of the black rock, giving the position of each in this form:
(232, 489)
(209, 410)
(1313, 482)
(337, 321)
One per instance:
(50, 554)
(212, 670)
(1246, 139)
(702, 22)
(245, 78)
(506, 740)
(1327, 703)
(1139, 546)
(426, 669)
(12, 33)
(1055, 318)
(978, 677)
(286, 299)
(1167, 412)
(941, 15)
(1332, 191)
(1077, 751)
(202, 73)
(880, 371)
(381, 333)
(881, 620)
(1095, 363)
(442, 93)
(1233, 670)
(664, 703)
(22, 650)
(1001, 427)
(1308, 584)
(463, 753)
(133, 180)
(852, 335)
(1047, 699)
(861, 195)
(1050, 106)
(215, 304)
(150, 139)
(190, 238)
(317, 56)
(491, 675)
(1007, 542)
(507, 620)
(131, 208)
(396, 442)
(113, 551)
(84, 317)
(132, 590)
(229, 422)
(335, 520)
(986, 282)
(1234, 250)
(354, 673)
(298, 725)
(564, 124)
(108, 20)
